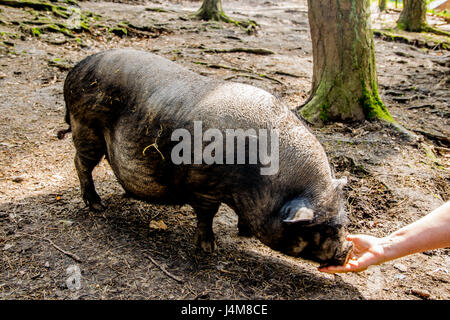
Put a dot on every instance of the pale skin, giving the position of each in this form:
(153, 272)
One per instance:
(430, 232)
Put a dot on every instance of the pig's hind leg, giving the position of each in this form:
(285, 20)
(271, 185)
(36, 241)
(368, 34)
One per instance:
(90, 147)
(204, 235)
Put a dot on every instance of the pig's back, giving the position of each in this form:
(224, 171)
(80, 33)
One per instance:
(126, 80)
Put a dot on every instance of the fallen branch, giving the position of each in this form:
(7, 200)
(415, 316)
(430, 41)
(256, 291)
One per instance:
(164, 270)
(283, 73)
(260, 51)
(221, 66)
(243, 75)
(157, 9)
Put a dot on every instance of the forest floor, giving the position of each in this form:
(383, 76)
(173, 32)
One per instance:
(46, 231)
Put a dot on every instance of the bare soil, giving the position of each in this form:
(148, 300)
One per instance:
(45, 227)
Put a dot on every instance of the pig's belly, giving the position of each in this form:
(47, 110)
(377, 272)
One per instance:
(133, 170)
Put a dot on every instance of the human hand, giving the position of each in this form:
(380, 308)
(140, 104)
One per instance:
(366, 251)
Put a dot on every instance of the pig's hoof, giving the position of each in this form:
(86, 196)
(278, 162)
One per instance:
(206, 244)
(97, 206)
(93, 202)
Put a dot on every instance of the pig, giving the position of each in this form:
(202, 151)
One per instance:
(125, 104)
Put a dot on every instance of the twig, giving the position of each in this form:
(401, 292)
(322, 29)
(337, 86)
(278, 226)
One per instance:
(221, 66)
(67, 253)
(242, 75)
(283, 73)
(164, 270)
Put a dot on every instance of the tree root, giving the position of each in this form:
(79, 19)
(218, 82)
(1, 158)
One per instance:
(248, 26)
(242, 72)
(389, 36)
(58, 11)
(436, 31)
(52, 28)
(144, 31)
(60, 64)
(405, 133)
(438, 137)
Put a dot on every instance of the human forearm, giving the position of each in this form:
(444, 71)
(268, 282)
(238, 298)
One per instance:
(430, 232)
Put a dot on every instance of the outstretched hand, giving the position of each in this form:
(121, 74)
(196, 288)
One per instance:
(366, 251)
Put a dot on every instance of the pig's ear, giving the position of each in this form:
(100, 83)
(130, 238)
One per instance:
(297, 211)
(305, 215)
(339, 184)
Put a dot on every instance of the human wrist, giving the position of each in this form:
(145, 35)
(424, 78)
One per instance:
(391, 247)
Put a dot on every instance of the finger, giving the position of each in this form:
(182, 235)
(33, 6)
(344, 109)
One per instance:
(350, 237)
(337, 269)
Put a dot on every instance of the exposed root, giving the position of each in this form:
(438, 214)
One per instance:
(59, 11)
(248, 73)
(387, 35)
(436, 31)
(248, 26)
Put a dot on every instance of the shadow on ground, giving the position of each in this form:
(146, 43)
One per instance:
(114, 249)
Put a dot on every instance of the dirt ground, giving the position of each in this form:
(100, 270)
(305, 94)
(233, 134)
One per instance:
(46, 232)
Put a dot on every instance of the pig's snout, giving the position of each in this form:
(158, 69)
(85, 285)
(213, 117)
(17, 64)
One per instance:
(341, 256)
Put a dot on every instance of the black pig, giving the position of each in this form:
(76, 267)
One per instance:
(126, 104)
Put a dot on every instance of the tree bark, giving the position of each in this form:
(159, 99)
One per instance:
(211, 10)
(344, 84)
(413, 16)
(382, 5)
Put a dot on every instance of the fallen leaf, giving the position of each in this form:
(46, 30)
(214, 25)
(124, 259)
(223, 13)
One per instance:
(158, 225)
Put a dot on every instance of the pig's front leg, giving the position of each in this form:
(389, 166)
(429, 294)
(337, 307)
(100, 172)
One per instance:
(244, 228)
(204, 236)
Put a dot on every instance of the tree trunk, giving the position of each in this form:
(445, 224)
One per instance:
(413, 16)
(382, 5)
(211, 10)
(344, 84)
